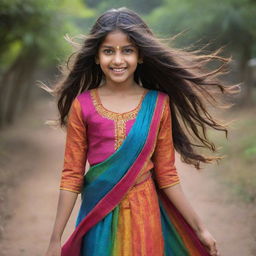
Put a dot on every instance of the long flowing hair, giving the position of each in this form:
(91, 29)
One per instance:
(181, 73)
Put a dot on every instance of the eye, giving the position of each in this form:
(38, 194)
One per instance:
(128, 50)
(108, 51)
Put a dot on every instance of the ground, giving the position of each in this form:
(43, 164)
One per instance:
(31, 162)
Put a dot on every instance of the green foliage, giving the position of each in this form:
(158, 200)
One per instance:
(9, 56)
(250, 152)
(230, 22)
(92, 3)
(237, 170)
(32, 38)
(39, 23)
(142, 6)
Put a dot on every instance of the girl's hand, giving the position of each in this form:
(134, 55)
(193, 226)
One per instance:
(209, 242)
(54, 249)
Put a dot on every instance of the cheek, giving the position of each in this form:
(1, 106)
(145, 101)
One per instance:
(133, 63)
(104, 61)
(133, 60)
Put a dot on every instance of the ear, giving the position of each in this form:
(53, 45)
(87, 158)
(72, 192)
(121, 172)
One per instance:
(140, 57)
(140, 61)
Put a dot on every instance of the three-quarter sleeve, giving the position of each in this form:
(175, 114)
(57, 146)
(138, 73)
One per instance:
(164, 155)
(75, 150)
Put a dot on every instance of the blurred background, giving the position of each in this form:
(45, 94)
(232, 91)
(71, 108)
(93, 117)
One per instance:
(31, 154)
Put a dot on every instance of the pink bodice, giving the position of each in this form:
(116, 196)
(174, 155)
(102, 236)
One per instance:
(105, 129)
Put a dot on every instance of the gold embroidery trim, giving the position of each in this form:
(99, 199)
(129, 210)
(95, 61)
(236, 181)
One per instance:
(119, 119)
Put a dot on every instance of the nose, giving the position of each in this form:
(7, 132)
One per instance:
(118, 58)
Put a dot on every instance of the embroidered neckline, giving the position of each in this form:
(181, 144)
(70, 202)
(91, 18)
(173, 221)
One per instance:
(125, 116)
(118, 118)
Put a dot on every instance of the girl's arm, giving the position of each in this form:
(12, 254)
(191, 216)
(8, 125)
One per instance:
(178, 198)
(66, 202)
(72, 175)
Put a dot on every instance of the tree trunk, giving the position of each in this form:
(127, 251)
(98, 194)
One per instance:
(15, 82)
(6, 83)
(23, 80)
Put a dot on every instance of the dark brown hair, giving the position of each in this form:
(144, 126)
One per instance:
(182, 74)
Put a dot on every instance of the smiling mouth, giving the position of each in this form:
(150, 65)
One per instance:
(118, 70)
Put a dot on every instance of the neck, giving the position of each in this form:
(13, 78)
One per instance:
(121, 87)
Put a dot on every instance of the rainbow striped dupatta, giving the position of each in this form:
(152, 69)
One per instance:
(107, 183)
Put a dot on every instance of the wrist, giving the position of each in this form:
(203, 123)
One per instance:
(55, 239)
(199, 228)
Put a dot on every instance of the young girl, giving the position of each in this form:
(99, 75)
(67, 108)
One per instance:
(128, 101)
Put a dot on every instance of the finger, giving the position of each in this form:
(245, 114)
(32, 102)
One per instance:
(213, 250)
(217, 252)
(214, 253)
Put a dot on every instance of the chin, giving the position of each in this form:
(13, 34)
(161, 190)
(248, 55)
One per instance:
(118, 80)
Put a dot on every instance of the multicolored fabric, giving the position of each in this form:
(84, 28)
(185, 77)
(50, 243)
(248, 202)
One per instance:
(93, 132)
(102, 221)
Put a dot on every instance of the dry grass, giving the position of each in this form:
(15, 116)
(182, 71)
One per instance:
(238, 169)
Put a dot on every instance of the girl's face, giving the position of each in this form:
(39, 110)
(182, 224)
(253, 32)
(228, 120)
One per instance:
(118, 57)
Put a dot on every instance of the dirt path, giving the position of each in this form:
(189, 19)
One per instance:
(32, 196)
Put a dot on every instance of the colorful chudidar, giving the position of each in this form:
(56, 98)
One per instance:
(107, 183)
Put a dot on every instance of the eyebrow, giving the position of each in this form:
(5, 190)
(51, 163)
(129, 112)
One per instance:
(108, 46)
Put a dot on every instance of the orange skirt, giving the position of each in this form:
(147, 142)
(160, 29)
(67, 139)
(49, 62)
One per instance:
(139, 230)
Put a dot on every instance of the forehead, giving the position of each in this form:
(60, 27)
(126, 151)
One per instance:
(117, 37)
